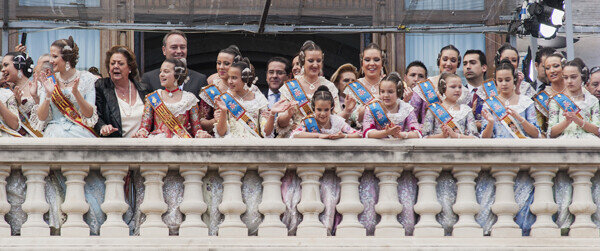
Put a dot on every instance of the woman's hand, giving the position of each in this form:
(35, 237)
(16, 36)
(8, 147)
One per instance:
(337, 135)
(106, 130)
(408, 93)
(572, 117)
(75, 86)
(488, 116)
(515, 115)
(281, 106)
(393, 130)
(49, 87)
(221, 104)
(141, 134)
(350, 104)
(202, 134)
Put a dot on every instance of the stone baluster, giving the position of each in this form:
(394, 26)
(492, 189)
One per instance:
(35, 204)
(4, 205)
(154, 204)
(232, 205)
(272, 205)
(388, 205)
(543, 205)
(466, 203)
(427, 204)
(310, 203)
(350, 205)
(114, 205)
(75, 204)
(193, 205)
(505, 206)
(583, 204)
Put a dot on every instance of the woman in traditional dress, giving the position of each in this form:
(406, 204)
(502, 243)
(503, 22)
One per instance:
(171, 113)
(570, 123)
(553, 67)
(403, 121)
(257, 121)
(328, 125)
(16, 69)
(521, 120)
(311, 59)
(510, 53)
(68, 104)
(463, 121)
(372, 62)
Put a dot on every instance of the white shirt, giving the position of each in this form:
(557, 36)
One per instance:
(131, 116)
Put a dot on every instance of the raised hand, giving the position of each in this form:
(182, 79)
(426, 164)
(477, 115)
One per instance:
(408, 93)
(350, 103)
(221, 104)
(281, 106)
(76, 85)
(49, 87)
(488, 116)
(18, 91)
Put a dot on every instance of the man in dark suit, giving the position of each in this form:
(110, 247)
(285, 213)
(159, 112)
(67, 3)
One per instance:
(175, 46)
(278, 69)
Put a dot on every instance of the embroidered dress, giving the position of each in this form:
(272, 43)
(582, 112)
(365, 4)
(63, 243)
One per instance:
(254, 109)
(185, 111)
(590, 111)
(56, 124)
(525, 108)
(353, 119)
(296, 119)
(26, 108)
(462, 118)
(420, 104)
(405, 117)
(7, 97)
(338, 124)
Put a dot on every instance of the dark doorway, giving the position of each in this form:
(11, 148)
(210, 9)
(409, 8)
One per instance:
(203, 49)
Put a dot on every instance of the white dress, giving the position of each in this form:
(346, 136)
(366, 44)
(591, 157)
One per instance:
(7, 97)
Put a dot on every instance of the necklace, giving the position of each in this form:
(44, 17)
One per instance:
(552, 87)
(311, 85)
(451, 107)
(68, 81)
(507, 101)
(578, 96)
(128, 90)
(373, 87)
(171, 92)
(241, 98)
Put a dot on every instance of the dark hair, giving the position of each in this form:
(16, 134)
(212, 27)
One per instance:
(448, 47)
(22, 63)
(395, 78)
(580, 65)
(69, 54)
(94, 70)
(173, 32)
(282, 60)
(246, 69)
(416, 64)
(309, 45)
(322, 93)
(179, 69)
(543, 52)
(128, 54)
(482, 57)
(562, 58)
(374, 46)
(501, 50)
(443, 82)
(234, 51)
(505, 64)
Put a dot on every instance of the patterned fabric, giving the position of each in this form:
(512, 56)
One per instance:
(525, 108)
(7, 97)
(590, 111)
(405, 117)
(186, 111)
(254, 109)
(338, 124)
(354, 116)
(418, 101)
(462, 118)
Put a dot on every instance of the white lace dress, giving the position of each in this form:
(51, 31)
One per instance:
(254, 109)
(338, 124)
(7, 97)
(462, 118)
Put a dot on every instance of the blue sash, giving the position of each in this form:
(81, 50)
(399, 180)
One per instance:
(239, 113)
(429, 92)
(311, 124)
(378, 113)
(502, 114)
(364, 96)
(299, 96)
(542, 100)
(490, 88)
(442, 114)
(212, 91)
(566, 104)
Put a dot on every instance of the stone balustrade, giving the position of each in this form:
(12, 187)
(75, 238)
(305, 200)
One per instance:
(227, 193)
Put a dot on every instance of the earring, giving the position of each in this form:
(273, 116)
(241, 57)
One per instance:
(68, 66)
(382, 72)
(20, 75)
(302, 70)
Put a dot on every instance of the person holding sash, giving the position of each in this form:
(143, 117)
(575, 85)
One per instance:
(575, 113)
(372, 61)
(323, 124)
(508, 115)
(68, 104)
(391, 117)
(171, 112)
(17, 68)
(241, 112)
(461, 123)
(305, 85)
(415, 73)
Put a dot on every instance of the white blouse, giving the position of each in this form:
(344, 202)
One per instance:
(131, 116)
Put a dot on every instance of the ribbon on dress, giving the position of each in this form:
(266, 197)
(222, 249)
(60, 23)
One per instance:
(429, 92)
(212, 91)
(359, 90)
(67, 108)
(490, 88)
(26, 125)
(505, 119)
(311, 124)
(541, 99)
(378, 113)
(299, 96)
(239, 113)
(442, 115)
(567, 104)
(166, 116)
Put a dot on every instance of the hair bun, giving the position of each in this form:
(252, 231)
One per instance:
(322, 88)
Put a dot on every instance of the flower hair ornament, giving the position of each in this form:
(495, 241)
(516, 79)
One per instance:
(67, 48)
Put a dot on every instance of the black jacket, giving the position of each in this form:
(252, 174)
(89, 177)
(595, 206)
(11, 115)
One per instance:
(108, 105)
(194, 85)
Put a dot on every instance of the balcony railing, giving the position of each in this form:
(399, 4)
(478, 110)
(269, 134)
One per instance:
(367, 194)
